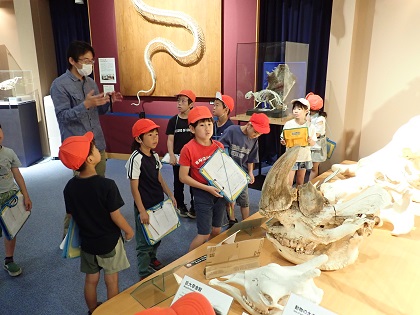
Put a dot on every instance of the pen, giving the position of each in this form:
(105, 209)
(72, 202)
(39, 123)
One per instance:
(154, 229)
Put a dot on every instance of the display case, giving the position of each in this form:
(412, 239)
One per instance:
(269, 76)
(16, 86)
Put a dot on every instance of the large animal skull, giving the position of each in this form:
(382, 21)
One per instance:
(396, 168)
(305, 225)
(265, 290)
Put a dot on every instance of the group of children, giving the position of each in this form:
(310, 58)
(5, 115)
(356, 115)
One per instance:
(94, 201)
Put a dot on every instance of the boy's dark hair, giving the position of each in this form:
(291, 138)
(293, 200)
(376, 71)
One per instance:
(135, 145)
(83, 167)
(189, 100)
(77, 49)
(0, 126)
(194, 124)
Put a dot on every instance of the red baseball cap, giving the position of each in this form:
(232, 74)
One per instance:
(142, 126)
(74, 150)
(190, 304)
(315, 101)
(227, 100)
(188, 93)
(197, 113)
(260, 122)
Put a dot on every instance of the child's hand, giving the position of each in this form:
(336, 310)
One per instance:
(214, 191)
(129, 235)
(28, 203)
(172, 159)
(251, 177)
(144, 217)
(174, 201)
(311, 142)
(282, 141)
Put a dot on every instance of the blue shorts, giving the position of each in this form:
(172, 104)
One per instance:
(209, 210)
(302, 165)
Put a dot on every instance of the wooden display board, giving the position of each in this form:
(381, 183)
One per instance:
(134, 33)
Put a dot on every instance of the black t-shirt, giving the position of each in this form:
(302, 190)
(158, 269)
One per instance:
(146, 170)
(90, 201)
(182, 134)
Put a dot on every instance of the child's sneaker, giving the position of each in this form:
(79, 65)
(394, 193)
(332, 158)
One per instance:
(232, 222)
(13, 269)
(182, 211)
(155, 264)
(191, 213)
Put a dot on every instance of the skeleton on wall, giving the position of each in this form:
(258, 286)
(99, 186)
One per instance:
(304, 224)
(396, 168)
(265, 290)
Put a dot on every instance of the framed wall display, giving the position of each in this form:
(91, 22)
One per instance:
(178, 43)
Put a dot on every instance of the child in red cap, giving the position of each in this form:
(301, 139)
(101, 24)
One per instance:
(318, 120)
(192, 303)
(303, 163)
(94, 202)
(223, 106)
(209, 204)
(147, 187)
(178, 135)
(242, 145)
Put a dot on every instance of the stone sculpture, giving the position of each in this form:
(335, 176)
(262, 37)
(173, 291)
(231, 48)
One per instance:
(396, 168)
(305, 225)
(265, 290)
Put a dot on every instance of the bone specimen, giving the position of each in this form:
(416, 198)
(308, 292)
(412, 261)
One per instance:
(170, 18)
(305, 225)
(267, 96)
(9, 84)
(396, 168)
(265, 290)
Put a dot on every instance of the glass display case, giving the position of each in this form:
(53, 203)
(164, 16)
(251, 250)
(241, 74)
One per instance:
(269, 76)
(16, 85)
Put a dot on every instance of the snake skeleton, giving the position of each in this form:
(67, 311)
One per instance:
(169, 18)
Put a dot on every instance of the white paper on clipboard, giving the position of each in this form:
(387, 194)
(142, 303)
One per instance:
(223, 172)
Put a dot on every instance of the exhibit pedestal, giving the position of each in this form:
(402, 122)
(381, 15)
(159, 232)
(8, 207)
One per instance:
(21, 133)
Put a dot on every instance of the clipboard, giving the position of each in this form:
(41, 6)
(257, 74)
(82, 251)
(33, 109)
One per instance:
(163, 219)
(72, 241)
(296, 137)
(13, 215)
(222, 172)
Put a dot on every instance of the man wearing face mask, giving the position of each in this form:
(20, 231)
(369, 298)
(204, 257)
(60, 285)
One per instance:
(77, 100)
(78, 103)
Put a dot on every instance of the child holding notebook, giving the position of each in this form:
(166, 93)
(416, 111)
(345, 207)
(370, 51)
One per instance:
(147, 187)
(9, 177)
(208, 203)
(300, 111)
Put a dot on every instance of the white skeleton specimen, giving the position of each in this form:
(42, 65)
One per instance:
(170, 18)
(267, 96)
(9, 84)
(305, 225)
(395, 167)
(265, 290)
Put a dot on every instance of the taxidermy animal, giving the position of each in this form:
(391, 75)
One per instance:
(265, 290)
(305, 225)
(281, 80)
(396, 168)
(169, 18)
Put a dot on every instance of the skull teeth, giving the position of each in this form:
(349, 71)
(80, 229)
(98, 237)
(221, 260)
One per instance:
(300, 246)
(251, 305)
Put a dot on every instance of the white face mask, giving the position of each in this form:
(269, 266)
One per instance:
(86, 70)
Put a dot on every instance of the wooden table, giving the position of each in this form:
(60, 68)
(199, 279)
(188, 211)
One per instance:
(385, 279)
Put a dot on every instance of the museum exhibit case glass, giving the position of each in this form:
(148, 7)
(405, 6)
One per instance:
(269, 76)
(18, 112)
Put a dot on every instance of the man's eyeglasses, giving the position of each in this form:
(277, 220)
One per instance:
(86, 61)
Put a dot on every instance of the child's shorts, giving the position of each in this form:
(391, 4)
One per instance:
(113, 262)
(243, 198)
(209, 210)
(302, 165)
(5, 197)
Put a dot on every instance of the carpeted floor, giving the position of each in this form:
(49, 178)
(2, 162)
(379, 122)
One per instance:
(51, 284)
